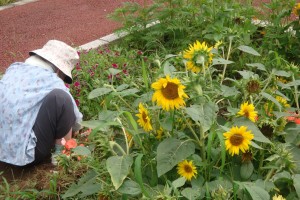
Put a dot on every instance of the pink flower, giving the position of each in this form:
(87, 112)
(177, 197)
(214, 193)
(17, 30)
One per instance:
(125, 72)
(78, 67)
(140, 53)
(92, 73)
(76, 84)
(77, 102)
(67, 85)
(115, 65)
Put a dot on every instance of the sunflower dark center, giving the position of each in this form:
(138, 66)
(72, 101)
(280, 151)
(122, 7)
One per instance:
(170, 91)
(247, 113)
(236, 139)
(188, 169)
(144, 116)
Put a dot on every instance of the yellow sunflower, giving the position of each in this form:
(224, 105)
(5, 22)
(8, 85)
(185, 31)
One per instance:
(129, 139)
(159, 133)
(144, 119)
(248, 111)
(187, 169)
(237, 138)
(296, 9)
(279, 197)
(169, 93)
(219, 43)
(198, 56)
(282, 101)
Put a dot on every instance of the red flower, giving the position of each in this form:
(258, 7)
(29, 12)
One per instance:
(115, 65)
(67, 85)
(77, 102)
(76, 84)
(297, 120)
(70, 144)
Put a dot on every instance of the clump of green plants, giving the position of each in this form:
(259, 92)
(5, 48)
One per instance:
(5, 2)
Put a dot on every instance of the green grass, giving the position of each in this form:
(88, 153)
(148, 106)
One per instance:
(5, 2)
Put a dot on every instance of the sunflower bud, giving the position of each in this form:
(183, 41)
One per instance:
(198, 89)
(267, 128)
(253, 86)
(220, 194)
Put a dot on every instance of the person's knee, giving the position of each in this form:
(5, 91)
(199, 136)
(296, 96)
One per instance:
(59, 95)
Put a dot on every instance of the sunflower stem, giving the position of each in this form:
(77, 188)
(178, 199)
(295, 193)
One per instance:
(261, 162)
(191, 129)
(173, 121)
(269, 175)
(265, 87)
(124, 133)
(228, 54)
(296, 94)
(201, 142)
(112, 87)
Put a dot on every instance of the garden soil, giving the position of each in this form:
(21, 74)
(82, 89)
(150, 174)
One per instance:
(28, 27)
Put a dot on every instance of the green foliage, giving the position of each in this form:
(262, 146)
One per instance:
(5, 2)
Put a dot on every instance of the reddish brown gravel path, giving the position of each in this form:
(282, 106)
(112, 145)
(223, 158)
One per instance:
(30, 26)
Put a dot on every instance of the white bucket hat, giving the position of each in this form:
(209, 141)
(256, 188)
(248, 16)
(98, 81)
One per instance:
(61, 55)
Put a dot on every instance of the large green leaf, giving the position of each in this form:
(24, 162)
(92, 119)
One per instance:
(246, 74)
(257, 193)
(114, 71)
(130, 187)
(249, 50)
(258, 65)
(127, 92)
(82, 151)
(269, 97)
(99, 124)
(221, 61)
(190, 193)
(293, 83)
(99, 92)
(258, 136)
(246, 170)
(296, 180)
(229, 91)
(138, 173)
(168, 68)
(118, 168)
(87, 185)
(170, 152)
(179, 182)
(205, 114)
(281, 73)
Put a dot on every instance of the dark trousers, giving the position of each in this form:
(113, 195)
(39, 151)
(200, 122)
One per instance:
(54, 120)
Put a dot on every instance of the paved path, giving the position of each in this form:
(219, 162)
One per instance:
(30, 26)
